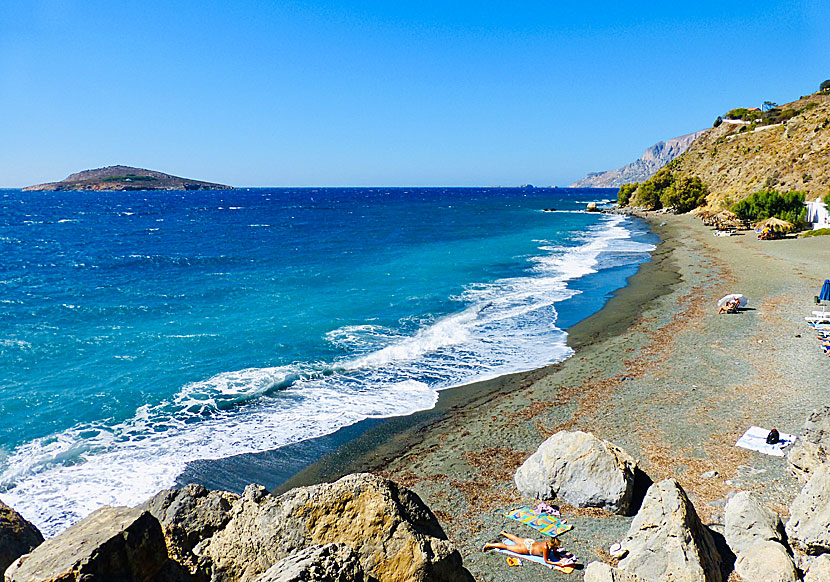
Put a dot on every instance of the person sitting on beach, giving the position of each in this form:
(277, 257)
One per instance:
(530, 547)
(730, 306)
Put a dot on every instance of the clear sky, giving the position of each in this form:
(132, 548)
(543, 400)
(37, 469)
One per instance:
(337, 93)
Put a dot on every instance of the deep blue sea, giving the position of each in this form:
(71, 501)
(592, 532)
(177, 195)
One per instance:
(140, 331)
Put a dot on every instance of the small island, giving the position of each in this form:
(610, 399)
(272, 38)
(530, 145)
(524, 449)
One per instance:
(119, 178)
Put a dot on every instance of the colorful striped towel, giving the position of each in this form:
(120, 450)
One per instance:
(547, 524)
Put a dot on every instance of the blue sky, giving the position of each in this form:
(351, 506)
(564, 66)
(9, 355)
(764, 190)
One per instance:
(256, 93)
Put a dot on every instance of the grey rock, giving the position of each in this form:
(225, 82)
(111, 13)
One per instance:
(808, 528)
(819, 570)
(188, 516)
(17, 536)
(666, 541)
(113, 543)
(748, 522)
(766, 561)
(601, 572)
(812, 448)
(390, 529)
(332, 562)
(580, 469)
(709, 474)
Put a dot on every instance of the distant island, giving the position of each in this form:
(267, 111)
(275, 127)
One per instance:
(117, 178)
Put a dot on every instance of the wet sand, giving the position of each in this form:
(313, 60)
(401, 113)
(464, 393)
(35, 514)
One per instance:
(656, 371)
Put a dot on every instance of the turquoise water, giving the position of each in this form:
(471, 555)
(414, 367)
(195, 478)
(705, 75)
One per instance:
(143, 330)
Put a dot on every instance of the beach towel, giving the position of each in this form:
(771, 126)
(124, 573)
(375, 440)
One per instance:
(755, 439)
(547, 524)
(566, 565)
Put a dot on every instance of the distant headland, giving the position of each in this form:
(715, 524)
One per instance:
(116, 178)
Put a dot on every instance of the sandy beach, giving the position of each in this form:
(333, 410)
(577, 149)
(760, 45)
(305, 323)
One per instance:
(656, 371)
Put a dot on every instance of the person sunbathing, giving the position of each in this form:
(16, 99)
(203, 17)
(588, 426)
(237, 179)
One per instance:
(730, 306)
(548, 550)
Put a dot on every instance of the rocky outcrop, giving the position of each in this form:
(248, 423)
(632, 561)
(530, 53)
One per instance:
(393, 533)
(808, 528)
(188, 516)
(766, 561)
(748, 522)
(332, 562)
(666, 542)
(642, 169)
(819, 570)
(17, 536)
(812, 448)
(113, 543)
(580, 469)
(601, 572)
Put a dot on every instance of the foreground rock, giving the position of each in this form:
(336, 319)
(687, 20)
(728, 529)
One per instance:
(808, 528)
(392, 532)
(665, 543)
(819, 570)
(333, 563)
(17, 536)
(188, 516)
(113, 543)
(766, 561)
(812, 448)
(749, 522)
(580, 469)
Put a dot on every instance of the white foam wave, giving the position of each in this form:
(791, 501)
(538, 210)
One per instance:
(501, 327)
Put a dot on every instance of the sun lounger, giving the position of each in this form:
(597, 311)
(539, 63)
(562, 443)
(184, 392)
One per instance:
(755, 439)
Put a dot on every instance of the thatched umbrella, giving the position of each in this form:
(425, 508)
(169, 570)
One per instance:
(774, 223)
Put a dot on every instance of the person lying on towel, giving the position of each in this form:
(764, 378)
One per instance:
(548, 550)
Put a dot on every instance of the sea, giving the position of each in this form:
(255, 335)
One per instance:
(143, 331)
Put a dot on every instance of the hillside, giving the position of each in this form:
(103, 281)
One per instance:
(652, 160)
(125, 178)
(736, 160)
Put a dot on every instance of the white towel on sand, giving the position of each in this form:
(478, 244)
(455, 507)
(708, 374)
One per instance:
(755, 439)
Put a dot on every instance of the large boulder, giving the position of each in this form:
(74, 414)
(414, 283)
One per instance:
(393, 533)
(808, 528)
(333, 563)
(579, 469)
(812, 448)
(666, 541)
(766, 561)
(188, 516)
(819, 570)
(113, 543)
(749, 522)
(601, 572)
(17, 536)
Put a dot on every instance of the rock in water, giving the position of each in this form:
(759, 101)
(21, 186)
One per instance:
(580, 469)
(188, 516)
(113, 543)
(766, 561)
(749, 522)
(17, 536)
(667, 542)
(333, 563)
(808, 528)
(812, 448)
(393, 533)
(819, 570)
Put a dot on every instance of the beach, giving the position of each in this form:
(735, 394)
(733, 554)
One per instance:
(657, 371)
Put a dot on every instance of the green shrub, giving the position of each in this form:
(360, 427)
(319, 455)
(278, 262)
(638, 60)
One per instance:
(825, 86)
(826, 200)
(647, 196)
(767, 203)
(816, 232)
(718, 121)
(625, 192)
(685, 193)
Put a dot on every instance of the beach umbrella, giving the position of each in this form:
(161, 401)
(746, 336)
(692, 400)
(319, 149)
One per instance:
(742, 300)
(824, 294)
(775, 224)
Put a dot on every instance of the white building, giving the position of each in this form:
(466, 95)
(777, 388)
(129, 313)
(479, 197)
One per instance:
(817, 214)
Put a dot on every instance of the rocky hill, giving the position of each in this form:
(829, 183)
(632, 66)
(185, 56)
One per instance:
(652, 160)
(125, 178)
(736, 160)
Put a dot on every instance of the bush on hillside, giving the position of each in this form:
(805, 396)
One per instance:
(685, 193)
(625, 192)
(718, 121)
(826, 200)
(767, 203)
(825, 86)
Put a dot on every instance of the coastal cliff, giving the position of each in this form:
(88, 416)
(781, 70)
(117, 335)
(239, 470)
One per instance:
(115, 178)
(735, 160)
(646, 166)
